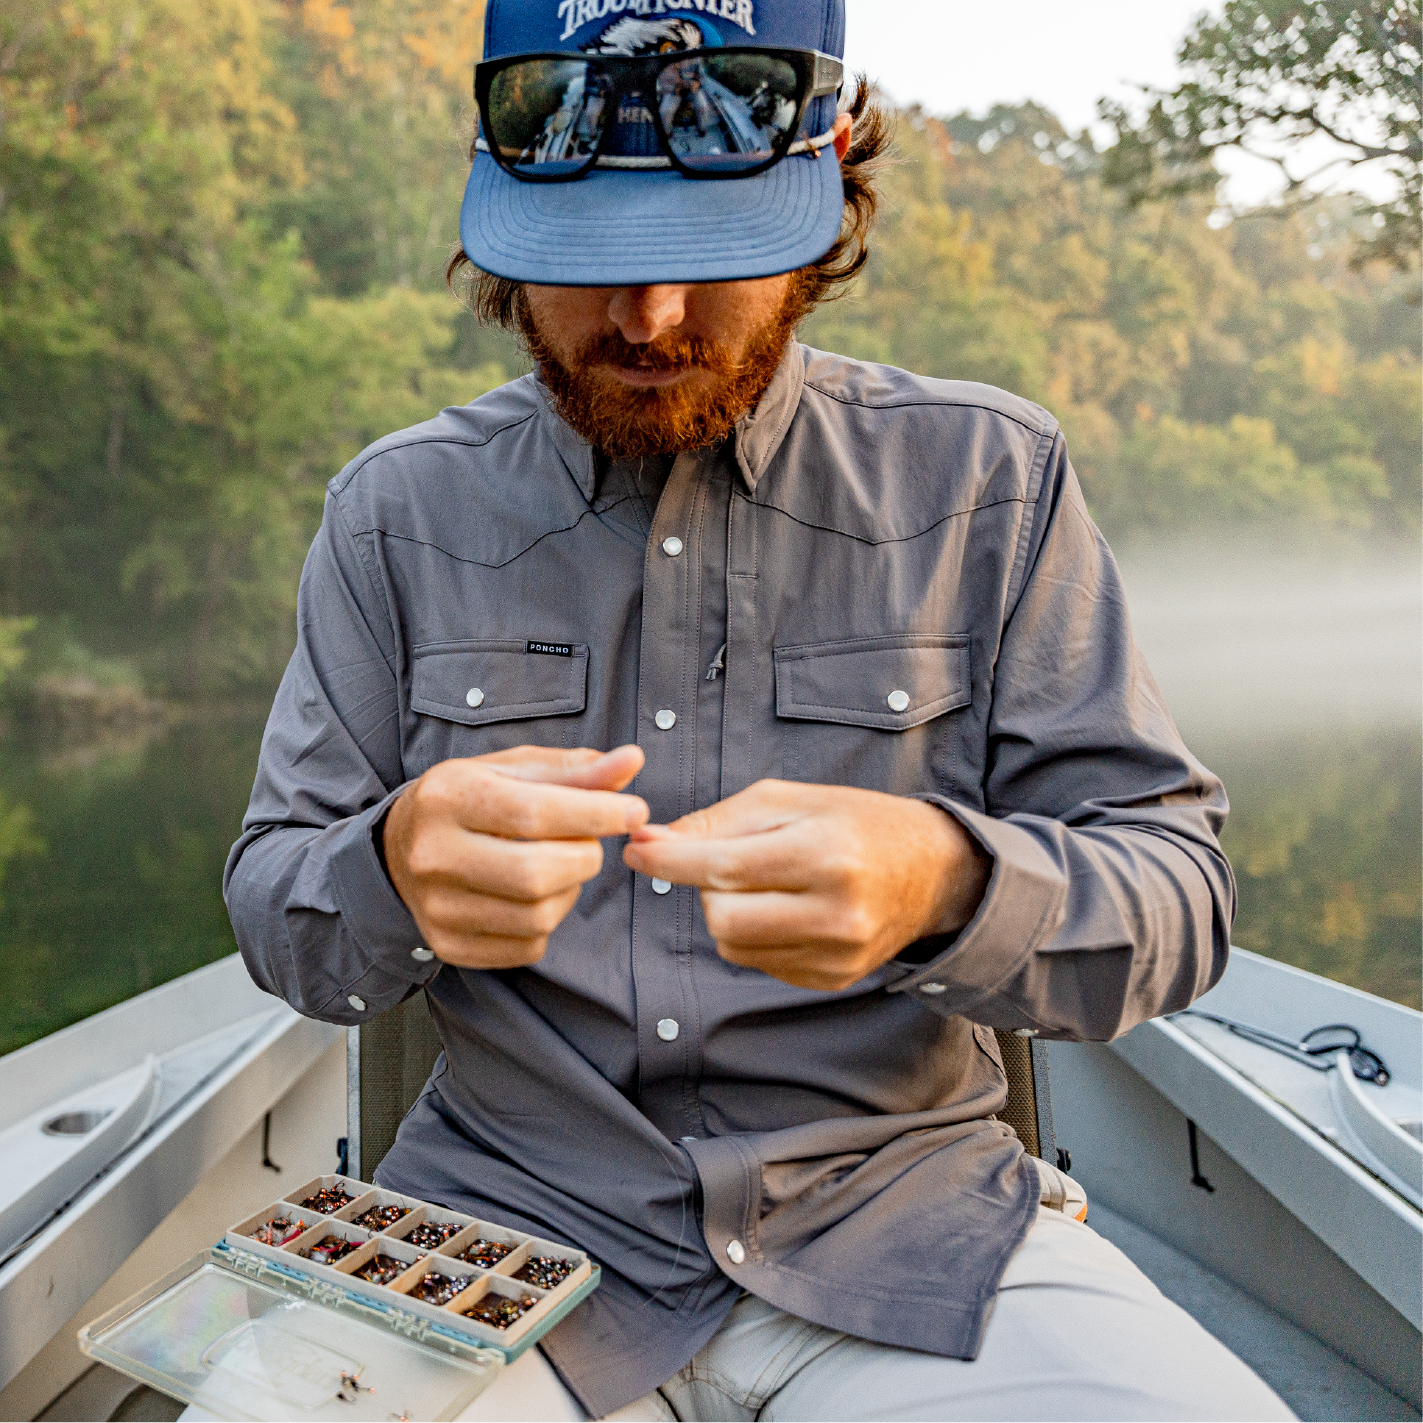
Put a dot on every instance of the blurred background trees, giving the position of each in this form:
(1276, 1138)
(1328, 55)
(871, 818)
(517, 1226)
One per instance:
(222, 234)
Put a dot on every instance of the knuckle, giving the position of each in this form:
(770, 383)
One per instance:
(423, 859)
(528, 876)
(857, 925)
(533, 949)
(545, 916)
(525, 819)
(716, 915)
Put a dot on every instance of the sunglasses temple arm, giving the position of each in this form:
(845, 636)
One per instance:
(1247, 1030)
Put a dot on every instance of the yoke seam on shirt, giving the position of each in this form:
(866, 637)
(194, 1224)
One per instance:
(365, 458)
(927, 404)
(898, 538)
(479, 562)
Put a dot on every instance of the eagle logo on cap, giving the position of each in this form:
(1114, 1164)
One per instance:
(638, 37)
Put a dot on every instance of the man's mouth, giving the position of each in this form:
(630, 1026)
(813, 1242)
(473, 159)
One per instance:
(650, 377)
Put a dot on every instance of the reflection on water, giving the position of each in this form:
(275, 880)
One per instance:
(1299, 680)
(1299, 685)
(110, 867)
(1326, 834)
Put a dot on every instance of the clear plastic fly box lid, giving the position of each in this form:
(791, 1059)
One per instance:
(251, 1344)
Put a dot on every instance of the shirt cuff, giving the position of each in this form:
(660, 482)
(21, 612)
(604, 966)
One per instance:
(373, 914)
(1021, 907)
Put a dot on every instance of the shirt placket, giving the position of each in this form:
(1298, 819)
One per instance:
(669, 1029)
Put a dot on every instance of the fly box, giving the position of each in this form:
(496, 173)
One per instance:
(343, 1301)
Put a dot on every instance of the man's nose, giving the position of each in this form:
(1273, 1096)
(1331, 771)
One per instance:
(642, 314)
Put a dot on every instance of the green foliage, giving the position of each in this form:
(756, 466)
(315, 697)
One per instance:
(178, 376)
(1235, 374)
(12, 645)
(222, 230)
(1267, 74)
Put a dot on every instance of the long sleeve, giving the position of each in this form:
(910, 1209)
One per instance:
(1110, 900)
(316, 918)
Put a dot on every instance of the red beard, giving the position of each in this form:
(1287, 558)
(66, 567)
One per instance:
(626, 422)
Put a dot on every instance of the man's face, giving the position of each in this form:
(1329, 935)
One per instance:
(653, 370)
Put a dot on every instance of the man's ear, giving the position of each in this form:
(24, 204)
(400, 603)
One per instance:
(843, 126)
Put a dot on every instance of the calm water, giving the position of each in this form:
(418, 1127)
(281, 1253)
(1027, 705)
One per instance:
(1299, 685)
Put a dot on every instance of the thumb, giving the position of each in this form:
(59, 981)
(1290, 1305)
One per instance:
(749, 812)
(584, 769)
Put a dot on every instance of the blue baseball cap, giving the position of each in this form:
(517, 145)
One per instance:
(614, 227)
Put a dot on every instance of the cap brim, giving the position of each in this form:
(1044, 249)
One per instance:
(617, 229)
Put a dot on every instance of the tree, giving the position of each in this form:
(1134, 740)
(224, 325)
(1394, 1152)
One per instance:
(1268, 74)
(177, 381)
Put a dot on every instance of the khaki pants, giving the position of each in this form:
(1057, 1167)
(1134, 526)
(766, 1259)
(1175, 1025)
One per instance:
(1077, 1331)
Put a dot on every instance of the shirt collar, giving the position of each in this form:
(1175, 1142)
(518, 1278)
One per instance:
(755, 440)
(759, 432)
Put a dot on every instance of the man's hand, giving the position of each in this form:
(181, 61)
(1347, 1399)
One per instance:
(818, 885)
(489, 852)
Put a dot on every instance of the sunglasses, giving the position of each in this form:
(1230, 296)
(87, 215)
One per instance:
(1315, 1049)
(717, 113)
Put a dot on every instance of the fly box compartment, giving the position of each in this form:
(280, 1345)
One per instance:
(301, 1313)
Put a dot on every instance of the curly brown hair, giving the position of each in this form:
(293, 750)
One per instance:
(498, 301)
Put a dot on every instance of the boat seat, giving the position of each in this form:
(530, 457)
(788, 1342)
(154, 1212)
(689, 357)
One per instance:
(389, 1059)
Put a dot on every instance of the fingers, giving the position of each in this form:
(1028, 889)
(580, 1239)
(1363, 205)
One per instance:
(524, 871)
(778, 920)
(454, 914)
(768, 805)
(803, 965)
(778, 859)
(481, 797)
(584, 768)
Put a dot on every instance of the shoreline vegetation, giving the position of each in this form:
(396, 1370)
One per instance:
(267, 193)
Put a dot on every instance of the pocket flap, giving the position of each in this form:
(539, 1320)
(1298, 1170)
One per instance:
(891, 683)
(485, 681)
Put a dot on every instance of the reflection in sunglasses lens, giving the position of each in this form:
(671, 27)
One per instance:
(546, 114)
(727, 112)
(721, 113)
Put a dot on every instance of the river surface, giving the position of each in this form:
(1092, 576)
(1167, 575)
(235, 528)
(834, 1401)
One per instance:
(1297, 680)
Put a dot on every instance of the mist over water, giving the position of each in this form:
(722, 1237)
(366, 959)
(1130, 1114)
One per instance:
(1297, 676)
(1250, 641)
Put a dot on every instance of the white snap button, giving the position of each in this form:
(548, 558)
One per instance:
(474, 697)
(422, 955)
(359, 1004)
(933, 988)
(661, 886)
(899, 701)
(1025, 1032)
(735, 1252)
(665, 720)
(672, 547)
(691, 1138)
(667, 1029)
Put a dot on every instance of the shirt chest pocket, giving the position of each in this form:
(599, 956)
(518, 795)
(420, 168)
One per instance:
(479, 696)
(873, 711)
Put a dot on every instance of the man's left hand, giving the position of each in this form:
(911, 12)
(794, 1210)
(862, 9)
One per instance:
(818, 885)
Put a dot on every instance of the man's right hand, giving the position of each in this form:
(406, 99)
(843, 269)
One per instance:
(489, 852)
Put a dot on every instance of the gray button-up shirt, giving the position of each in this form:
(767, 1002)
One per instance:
(883, 581)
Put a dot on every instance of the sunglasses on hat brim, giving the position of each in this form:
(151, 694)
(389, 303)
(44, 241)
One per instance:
(711, 113)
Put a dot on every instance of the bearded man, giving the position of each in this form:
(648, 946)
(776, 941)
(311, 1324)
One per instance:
(900, 775)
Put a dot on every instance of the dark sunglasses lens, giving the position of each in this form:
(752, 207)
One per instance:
(724, 113)
(1368, 1066)
(545, 115)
